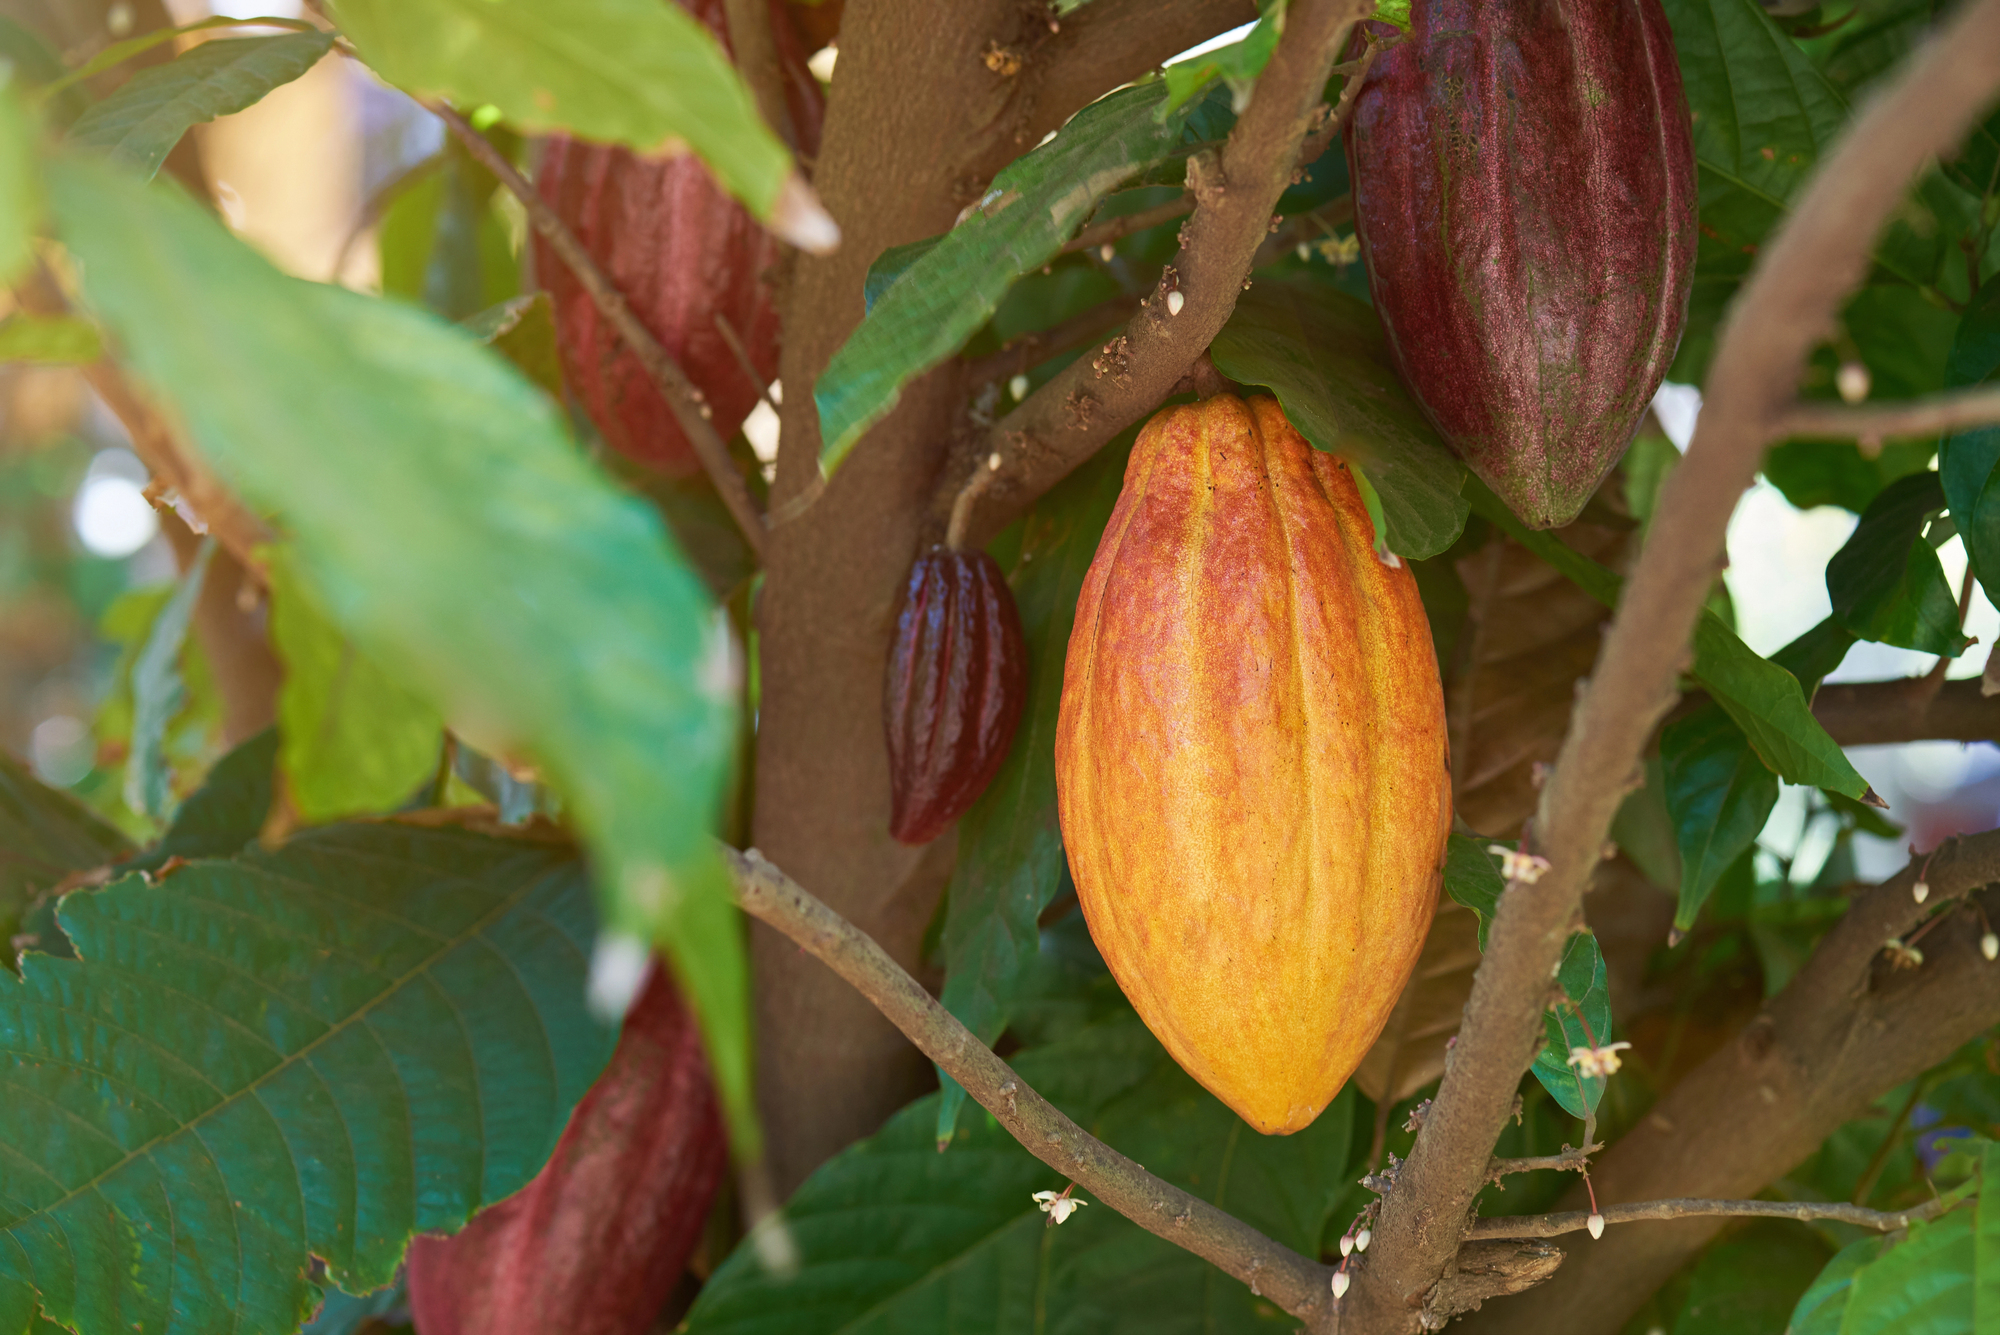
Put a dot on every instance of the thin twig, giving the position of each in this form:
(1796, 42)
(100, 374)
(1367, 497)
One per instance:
(1790, 300)
(1297, 1284)
(1575, 1221)
(1080, 330)
(1117, 229)
(1950, 411)
(1570, 1161)
(755, 49)
(734, 342)
(684, 399)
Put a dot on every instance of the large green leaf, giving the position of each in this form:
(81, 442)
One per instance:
(45, 836)
(1986, 1243)
(946, 292)
(1969, 461)
(311, 1053)
(1886, 582)
(448, 524)
(1322, 352)
(1010, 855)
(1719, 794)
(638, 72)
(1764, 699)
(896, 1237)
(141, 122)
(1748, 1283)
(1921, 1286)
(355, 742)
(1824, 1303)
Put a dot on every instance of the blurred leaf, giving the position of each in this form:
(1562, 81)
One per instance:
(1886, 583)
(1920, 1286)
(1824, 472)
(1410, 1051)
(20, 186)
(223, 816)
(523, 330)
(1472, 879)
(1986, 1243)
(35, 64)
(1824, 1303)
(158, 692)
(353, 741)
(459, 537)
(1719, 795)
(442, 243)
(315, 1052)
(1969, 461)
(1010, 856)
(1237, 64)
(48, 338)
(896, 1237)
(634, 72)
(947, 292)
(1324, 355)
(140, 123)
(1749, 1281)
(45, 836)
(1582, 977)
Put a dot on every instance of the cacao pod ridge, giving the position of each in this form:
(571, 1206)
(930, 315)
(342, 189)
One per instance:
(1525, 196)
(1250, 759)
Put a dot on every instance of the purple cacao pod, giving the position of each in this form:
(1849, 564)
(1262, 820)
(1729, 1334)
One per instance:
(1524, 192)
(957, 681)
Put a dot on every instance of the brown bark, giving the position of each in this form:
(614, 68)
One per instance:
(1866, 713)
(917, 122)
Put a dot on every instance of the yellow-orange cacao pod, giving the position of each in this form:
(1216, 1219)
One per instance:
(1250, 759)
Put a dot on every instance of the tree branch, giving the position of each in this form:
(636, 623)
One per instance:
(1571, 1161)
(1871, 713)
(1977, 406)
(683, 397)
(1787, 305)
(756, 53)
(1067, 419)
(1575, 1221)
(1083, 328)
(1303, 1287)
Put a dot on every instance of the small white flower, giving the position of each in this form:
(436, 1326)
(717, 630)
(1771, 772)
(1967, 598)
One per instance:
(1305, 251)
(1989, 946)
(1595, 1224)
(1362, 1239)
(1347, 1244)
(1340, 1282)
(1175, 301)
(1592, 1062)
(1018, 387)
(1852, 381)
(1920, 891)
(1903, 956)
(1516, 866)
(1058, 1205)
(1106, 251)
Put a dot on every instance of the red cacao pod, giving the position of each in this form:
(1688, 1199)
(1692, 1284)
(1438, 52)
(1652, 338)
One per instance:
(1250, 759)
(683, 252)
(957, 681)
(597, 1241)
(1524, 191)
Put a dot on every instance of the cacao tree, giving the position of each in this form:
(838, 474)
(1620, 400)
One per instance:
(1211, 781)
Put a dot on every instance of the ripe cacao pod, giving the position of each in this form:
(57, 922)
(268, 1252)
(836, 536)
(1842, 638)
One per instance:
(1524, 192)
(682, 252)
(1250, 759)
(957, 680)
(596, 1242)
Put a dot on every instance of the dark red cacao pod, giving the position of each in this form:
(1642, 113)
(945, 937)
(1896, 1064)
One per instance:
(958, 677)
(682, 252)
(594, 1245)
(1524, 191)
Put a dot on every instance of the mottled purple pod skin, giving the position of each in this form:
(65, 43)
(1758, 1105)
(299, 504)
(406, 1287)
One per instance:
(957, 681)
(1524, 191)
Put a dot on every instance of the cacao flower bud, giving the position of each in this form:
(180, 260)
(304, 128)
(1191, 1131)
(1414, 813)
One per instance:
(682, 252)
(957, 681)
(1524, 193)
(596, 1242)
(1250, 759)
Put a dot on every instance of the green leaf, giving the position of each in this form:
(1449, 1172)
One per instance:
(1237, 64)
(896, 1237)
(635, 72)
(1323, 353)
(523, 330)
(35, 64)
(62, 339)
(448, 524)
(1582, 977)
(443, 244)
(1764, 699)
(20, 187)
(946, 293)
(1719, 795)
(1886, 583)
(220, 818)
(1969, 461)
(45, 836)
(315, 1052)
(1815, 654)
(1824, 1303)
(1921, 1286)
(354, 741)
(1472, 879)
(141, 122)
(1750, 1280)
(1986, 1245)
(1010, 855)
(158, 692)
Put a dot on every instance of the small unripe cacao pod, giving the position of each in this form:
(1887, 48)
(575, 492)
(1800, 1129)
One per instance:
(596, 1242)
(1250, 759)
(957, 679)
(683, 253)
(1524, 192)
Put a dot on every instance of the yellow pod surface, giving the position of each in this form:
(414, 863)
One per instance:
(1250, 759)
